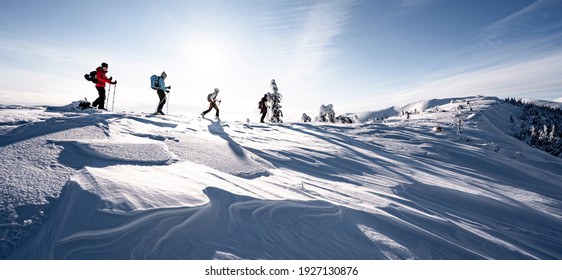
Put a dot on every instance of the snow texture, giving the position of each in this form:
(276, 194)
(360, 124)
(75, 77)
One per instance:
(84, 184)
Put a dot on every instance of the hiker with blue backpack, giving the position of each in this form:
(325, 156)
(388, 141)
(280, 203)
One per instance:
(157, 83)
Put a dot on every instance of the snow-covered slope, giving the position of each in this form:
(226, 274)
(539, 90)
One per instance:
(89, 185)
(377, 115)
(552, 104)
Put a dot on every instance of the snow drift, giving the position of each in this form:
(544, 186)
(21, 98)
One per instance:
(89, 185)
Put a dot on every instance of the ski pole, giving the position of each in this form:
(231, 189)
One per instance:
(108, 94)
(168, 102)
(113, 102)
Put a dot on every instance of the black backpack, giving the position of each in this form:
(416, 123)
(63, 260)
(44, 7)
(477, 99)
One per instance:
(85, 104)
(91, 77)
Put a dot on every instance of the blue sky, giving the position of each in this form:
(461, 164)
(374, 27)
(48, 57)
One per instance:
(357, 55)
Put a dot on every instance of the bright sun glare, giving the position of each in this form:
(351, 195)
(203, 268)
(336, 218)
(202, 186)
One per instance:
(207, 55)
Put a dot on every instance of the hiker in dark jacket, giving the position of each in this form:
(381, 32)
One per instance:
(100, 85)
(161, 91)
(263, 107)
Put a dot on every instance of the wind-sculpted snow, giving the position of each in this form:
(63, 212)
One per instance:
(243, 227)
(98, 154)
(215, 148)
(90, 185)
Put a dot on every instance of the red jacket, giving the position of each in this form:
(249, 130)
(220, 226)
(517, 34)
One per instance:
(102, 79)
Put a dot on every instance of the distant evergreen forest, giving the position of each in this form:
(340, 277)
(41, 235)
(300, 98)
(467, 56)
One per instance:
(539, 126)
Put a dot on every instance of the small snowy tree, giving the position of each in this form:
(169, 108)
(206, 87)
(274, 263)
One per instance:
(458, 123)
(305, 118)
(327, 113)
(344, 119)
(274, 100)
(552, 134)
(534, 136)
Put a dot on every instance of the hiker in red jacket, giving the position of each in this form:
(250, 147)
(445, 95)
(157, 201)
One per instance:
(100, 85)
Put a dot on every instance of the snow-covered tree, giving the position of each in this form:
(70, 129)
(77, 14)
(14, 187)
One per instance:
(274, 99)
(326, 114)
(305, 118)
(344, 119)
(458, 123)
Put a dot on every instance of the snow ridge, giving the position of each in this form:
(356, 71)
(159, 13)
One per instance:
(101, 185)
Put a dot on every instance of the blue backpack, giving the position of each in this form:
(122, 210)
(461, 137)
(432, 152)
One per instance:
(154, 82)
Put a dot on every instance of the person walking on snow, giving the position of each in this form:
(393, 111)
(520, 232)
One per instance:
(162, 90)
(212, 98)
(100, 85)
(263, 107)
